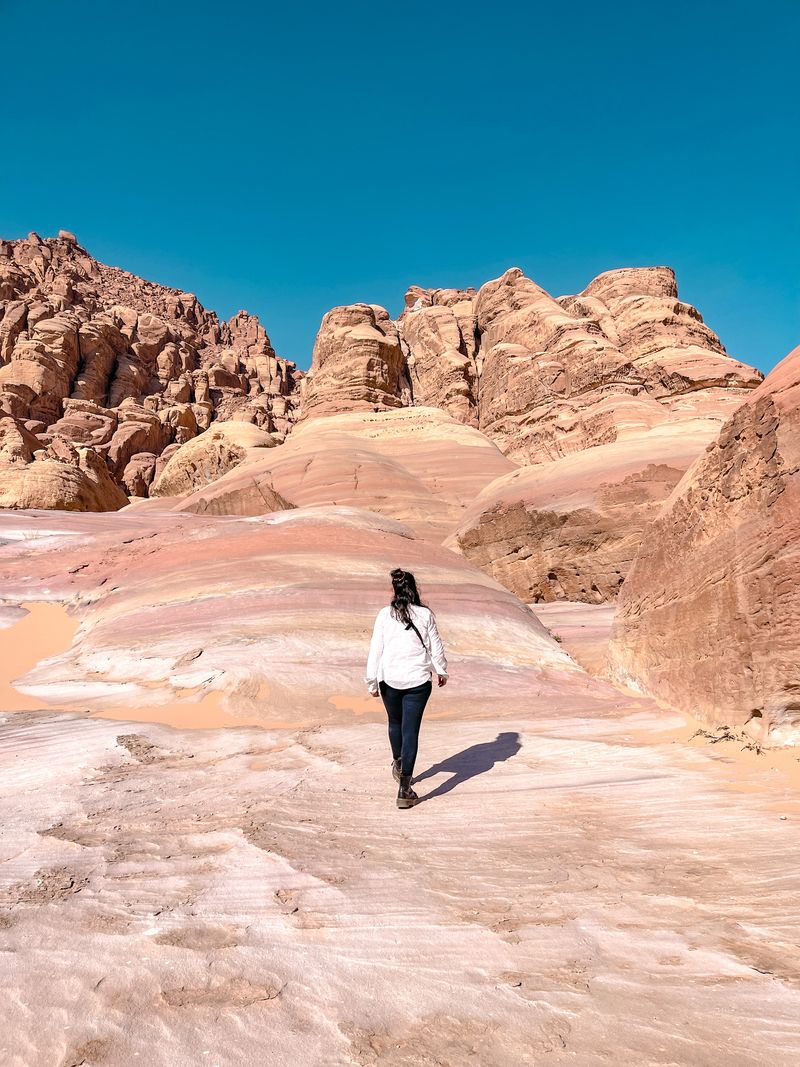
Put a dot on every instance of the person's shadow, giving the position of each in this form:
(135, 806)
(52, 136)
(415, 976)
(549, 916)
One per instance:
(477, 759)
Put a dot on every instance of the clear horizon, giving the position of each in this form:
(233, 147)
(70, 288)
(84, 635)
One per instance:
(289, 161)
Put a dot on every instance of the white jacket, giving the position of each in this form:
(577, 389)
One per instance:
(396, 654)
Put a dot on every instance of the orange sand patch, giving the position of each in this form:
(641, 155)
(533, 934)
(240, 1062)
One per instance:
(48, 630)
(365, 705)
(358, 705)
(778, 765)
(208, 713)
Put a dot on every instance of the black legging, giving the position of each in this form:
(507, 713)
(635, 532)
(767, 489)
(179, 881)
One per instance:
(404, 708)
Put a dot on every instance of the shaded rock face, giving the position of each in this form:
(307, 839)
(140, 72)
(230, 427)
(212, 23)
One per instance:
(570, 529)
(708, 615)
(96, 357)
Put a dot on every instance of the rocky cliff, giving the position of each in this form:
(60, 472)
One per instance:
(708, 618)
(103, 374)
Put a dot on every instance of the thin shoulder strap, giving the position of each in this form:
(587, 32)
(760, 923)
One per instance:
(419, 635)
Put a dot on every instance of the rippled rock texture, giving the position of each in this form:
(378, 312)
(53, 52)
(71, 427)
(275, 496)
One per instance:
(272, 610)
(253, 896)
(418, 465)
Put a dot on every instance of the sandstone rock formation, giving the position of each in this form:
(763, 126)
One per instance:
(96, 359)
(439, 332)
(708, 614)
(570, 529)
(542, 377)
(204, 459)
(93, 356)
(57, 476)
(417, 465)
(270, 609)
(358, 362)
(624, 356)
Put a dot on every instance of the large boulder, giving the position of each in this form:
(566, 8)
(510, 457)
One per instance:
(208, 457)
(358, 363)
(710, 612)
(77, 483)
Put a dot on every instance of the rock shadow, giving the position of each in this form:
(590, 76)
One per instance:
(470, 762)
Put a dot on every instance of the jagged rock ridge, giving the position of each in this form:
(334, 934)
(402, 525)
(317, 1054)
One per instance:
(102, 367)
(541, 377)
(106, 376)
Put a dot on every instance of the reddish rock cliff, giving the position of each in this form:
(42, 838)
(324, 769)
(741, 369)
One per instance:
(708, 615)
(101, 369)
(108, 369)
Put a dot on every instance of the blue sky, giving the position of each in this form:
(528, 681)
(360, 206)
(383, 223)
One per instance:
(289, 158)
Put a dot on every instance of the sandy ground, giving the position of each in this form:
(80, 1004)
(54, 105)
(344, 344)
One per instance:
(572, 890)
(585, 629)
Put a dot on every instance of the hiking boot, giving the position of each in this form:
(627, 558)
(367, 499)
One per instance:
(396, 769)
(406, 797)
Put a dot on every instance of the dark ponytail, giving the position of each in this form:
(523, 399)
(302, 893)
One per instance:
(405, 593)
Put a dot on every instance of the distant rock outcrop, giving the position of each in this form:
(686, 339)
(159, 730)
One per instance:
(542, 377)
(119, 368)
(111, 384)
(708, 616)
(625, 355)
(358, 363)
(439, 333)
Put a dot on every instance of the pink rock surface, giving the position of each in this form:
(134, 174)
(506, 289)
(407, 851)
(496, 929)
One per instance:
(254, 895)
(708, 616)
(570, 529)
(271, 610)
(417, 465)
(584, 630)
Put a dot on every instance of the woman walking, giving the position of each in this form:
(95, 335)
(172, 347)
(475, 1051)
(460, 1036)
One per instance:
(404, 651)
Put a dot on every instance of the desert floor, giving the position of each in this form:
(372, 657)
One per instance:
(571, 890)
